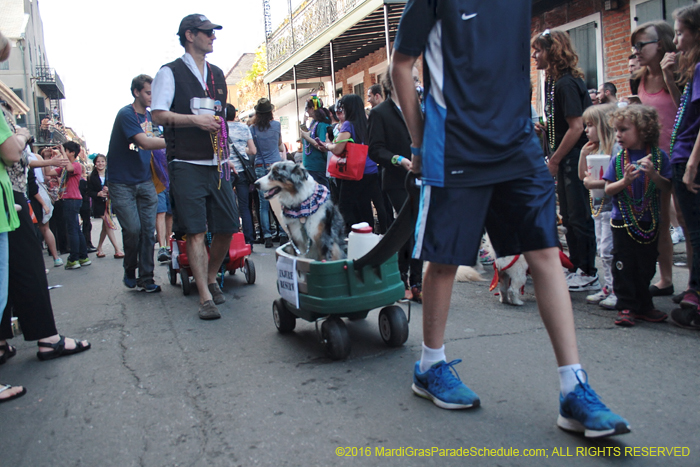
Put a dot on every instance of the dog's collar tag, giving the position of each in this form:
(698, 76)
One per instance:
(303, 220)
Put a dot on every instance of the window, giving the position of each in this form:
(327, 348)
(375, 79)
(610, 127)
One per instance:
(643, 11)
(5, 65)
(21, 119)
(587, 39)
(359, 89)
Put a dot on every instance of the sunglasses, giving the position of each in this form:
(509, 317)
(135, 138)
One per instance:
(339, 110)
(547, 34)
(208, 32)
(640, 45)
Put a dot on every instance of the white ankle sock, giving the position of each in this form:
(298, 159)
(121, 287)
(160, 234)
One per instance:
(429, 357)
(567, 378)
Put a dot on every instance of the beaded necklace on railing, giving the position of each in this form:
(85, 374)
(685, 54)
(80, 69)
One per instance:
(549, 112)
(679, 116)
(219, 140)
(633, 209)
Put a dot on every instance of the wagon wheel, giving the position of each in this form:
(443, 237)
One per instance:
(185, 278)
(249, 271)
(393, 326)
(285, 321)
(335, 338)
(172, 274)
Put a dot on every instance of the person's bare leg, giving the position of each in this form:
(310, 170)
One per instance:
(665, 244)
(112, 238)
(437, 294)
(168, 228)
(220, 244)
(199, 263)
(161, 230)
(554, 303)
(103, 235)
(49, 239)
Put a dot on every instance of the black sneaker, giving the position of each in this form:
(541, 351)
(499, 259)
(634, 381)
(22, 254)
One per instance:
(91, 249)
(268, 242)
(678, 297)
(686, 318)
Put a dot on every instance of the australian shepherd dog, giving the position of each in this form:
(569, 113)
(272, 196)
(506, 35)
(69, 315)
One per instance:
(315, 225)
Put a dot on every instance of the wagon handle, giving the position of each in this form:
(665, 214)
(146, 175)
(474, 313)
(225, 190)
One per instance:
(399, 232)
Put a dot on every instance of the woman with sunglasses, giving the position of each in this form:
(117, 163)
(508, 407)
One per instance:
(655, 84)
(356, 196)
(566, 97)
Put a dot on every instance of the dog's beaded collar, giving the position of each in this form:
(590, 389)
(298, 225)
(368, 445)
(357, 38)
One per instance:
(310, 205)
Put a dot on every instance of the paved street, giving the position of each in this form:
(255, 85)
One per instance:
(162, 388)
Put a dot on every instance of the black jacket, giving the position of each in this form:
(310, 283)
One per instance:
(94, 186)
(388, 136)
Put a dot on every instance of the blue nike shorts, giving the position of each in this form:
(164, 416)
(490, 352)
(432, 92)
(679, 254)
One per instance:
(519, 216)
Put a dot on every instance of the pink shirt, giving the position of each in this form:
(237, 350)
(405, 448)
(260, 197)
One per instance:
(73, 183)
(664, 105)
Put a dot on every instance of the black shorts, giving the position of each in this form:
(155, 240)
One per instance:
(519, 216)
(201, 200)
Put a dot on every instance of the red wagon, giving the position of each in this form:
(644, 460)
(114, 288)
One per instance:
(236, 258)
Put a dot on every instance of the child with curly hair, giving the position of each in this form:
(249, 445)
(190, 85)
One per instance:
(635, 178)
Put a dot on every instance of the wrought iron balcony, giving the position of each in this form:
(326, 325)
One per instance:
(48, 81)
(308, 22)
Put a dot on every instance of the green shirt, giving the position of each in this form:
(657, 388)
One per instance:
(8, 220)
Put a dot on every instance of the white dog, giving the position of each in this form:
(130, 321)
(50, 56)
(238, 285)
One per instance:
(315, 225)
(510, 275)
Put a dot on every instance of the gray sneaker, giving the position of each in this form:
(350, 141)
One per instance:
(208, 310)
(216, 294)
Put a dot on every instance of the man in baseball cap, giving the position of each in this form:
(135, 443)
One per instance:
(195, 22)
(202, 202)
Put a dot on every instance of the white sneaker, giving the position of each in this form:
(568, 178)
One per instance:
(677, 235)
(609, 303)
(580, 282)
(598, 297)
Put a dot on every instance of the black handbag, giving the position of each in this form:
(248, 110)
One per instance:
(247, 163)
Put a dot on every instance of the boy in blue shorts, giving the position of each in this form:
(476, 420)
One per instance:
(477, 154)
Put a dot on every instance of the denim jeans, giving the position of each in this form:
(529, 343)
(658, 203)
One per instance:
(690, 206)
(135, 206)
(76, 239)
(264, 204)
(4, 270)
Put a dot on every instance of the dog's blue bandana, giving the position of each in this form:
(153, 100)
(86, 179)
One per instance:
(310, 205)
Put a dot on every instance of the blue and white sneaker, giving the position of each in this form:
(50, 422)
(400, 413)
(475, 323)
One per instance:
(148, 287)
(583, 412)
(443, 387)
(130, 282)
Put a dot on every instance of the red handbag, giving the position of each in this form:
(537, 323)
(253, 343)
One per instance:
(350, 165)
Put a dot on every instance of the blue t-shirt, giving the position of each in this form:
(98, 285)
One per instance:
(690, 125)
(126, 162)
(267, 143)
(638, 184)
(370, 165)
(478, 127)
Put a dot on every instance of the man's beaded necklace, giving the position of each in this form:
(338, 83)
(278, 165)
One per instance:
(679, 115)
(549, 112)
(219, 140)
(633, 209)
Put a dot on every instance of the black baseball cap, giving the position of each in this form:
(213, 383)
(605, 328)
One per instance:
(195, 21)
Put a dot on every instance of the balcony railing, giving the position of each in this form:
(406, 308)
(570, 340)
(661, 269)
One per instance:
(49, 82)
(308, 22)
(46, 137)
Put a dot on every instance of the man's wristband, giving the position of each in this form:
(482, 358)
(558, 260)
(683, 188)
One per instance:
(396, 160)
(416, 151)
